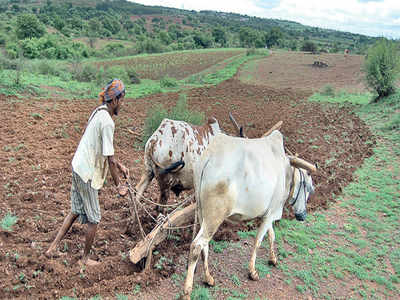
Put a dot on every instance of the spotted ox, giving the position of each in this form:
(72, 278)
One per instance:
(241, 179)
(170, 154)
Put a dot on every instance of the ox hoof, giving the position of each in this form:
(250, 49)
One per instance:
(209, 280)
(272, 262)
(185, 297)
(254, 276)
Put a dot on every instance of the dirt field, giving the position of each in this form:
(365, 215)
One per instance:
(38, 139)
(294, 70)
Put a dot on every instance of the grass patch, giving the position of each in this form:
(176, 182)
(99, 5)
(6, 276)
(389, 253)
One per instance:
(368, 238)
(8, 221)
(179, 112)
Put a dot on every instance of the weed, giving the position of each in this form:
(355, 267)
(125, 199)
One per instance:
(96, 297)
(235, 280)
(37, 116)
(8, 221)
(136, 289)
(200, 293)
(159, 265)
(121, 297)
(220, 246)
(168, 82)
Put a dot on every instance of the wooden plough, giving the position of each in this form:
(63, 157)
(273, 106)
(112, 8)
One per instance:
(177, 218)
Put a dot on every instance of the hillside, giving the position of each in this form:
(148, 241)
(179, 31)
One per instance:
(56, 29)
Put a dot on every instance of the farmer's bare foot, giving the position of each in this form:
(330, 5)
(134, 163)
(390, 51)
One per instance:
(87, 262)
(50, 253)
(92, 263)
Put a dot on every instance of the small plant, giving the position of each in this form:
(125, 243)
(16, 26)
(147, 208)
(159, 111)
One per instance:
(179, 112)
(235, 280)
(168, 82)
(200, 293)
(328, 90)
(37, 116)
(8, 221)
(121, 297)
(136, 290)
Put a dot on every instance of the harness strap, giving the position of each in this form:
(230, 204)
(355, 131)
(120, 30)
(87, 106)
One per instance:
(292, 186)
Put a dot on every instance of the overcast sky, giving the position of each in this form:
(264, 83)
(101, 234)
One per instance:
(369, 17)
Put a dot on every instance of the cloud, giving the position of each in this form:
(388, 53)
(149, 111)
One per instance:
(369, 17)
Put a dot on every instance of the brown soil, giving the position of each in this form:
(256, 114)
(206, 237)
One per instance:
(38, 139)
(295, 70)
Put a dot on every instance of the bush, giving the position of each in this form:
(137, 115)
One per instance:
(84, 73)
(116, 72)
(133, 76)
(167, 82)
(382, 67)
(328, 90)
(309, 47)
(179, 112)
(154, 118)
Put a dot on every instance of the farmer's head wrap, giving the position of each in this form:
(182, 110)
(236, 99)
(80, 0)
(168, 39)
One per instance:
(112, 90)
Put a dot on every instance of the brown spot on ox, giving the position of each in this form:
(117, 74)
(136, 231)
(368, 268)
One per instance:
(170, 153)
(173, 130)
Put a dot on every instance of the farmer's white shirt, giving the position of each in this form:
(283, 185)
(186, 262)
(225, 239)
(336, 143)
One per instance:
(90, 160)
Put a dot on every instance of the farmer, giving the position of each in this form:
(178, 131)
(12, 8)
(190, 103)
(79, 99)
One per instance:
(95, 154)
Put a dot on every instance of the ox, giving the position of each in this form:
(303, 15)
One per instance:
(170, 154)
(241, 179)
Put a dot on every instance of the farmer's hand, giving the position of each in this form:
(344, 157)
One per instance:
(122, 189)
(124, 170)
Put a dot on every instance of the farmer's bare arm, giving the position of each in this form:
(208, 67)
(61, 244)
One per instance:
(113, 169)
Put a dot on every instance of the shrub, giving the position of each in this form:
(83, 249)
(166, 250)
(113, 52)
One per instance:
(83, 72)
(133, 76)
(8, 221)
(154, 118)
(167, 82)
(328, 90)
(179, 112)
(382, 67)
(116, 72)
(309, 46)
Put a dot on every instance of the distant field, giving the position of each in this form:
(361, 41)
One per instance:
(297, 70)
(175, 64)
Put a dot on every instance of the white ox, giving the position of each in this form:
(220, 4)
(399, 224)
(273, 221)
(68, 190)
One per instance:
(241, 179)
(170, 154)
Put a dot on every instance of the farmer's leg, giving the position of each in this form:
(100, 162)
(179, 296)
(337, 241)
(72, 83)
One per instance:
(68, 221)
(91, 216)
(90, 234)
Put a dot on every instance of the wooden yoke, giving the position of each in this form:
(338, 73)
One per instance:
(277, 126)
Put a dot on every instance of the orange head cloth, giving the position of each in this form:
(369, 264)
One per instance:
(112, 90)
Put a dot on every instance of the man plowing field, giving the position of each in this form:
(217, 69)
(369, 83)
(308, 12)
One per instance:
(92, 159)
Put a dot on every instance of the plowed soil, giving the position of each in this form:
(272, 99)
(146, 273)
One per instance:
(39, 137)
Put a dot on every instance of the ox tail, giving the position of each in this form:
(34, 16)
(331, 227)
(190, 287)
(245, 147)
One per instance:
(174, 167)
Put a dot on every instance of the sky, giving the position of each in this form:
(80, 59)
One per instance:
(368, 17)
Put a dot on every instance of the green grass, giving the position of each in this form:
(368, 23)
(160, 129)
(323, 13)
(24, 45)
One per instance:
(365, 247)
(8, 221)
(31, 82)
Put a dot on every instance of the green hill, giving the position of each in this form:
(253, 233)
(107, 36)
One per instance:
(58, 29)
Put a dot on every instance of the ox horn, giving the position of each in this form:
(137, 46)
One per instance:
(277, 126)
(239, 129)
(301, 163)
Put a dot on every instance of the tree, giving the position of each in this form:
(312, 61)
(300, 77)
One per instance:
(219, 35)
(382, 67)
(273, 36)
(309, 46)
(28, 26)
